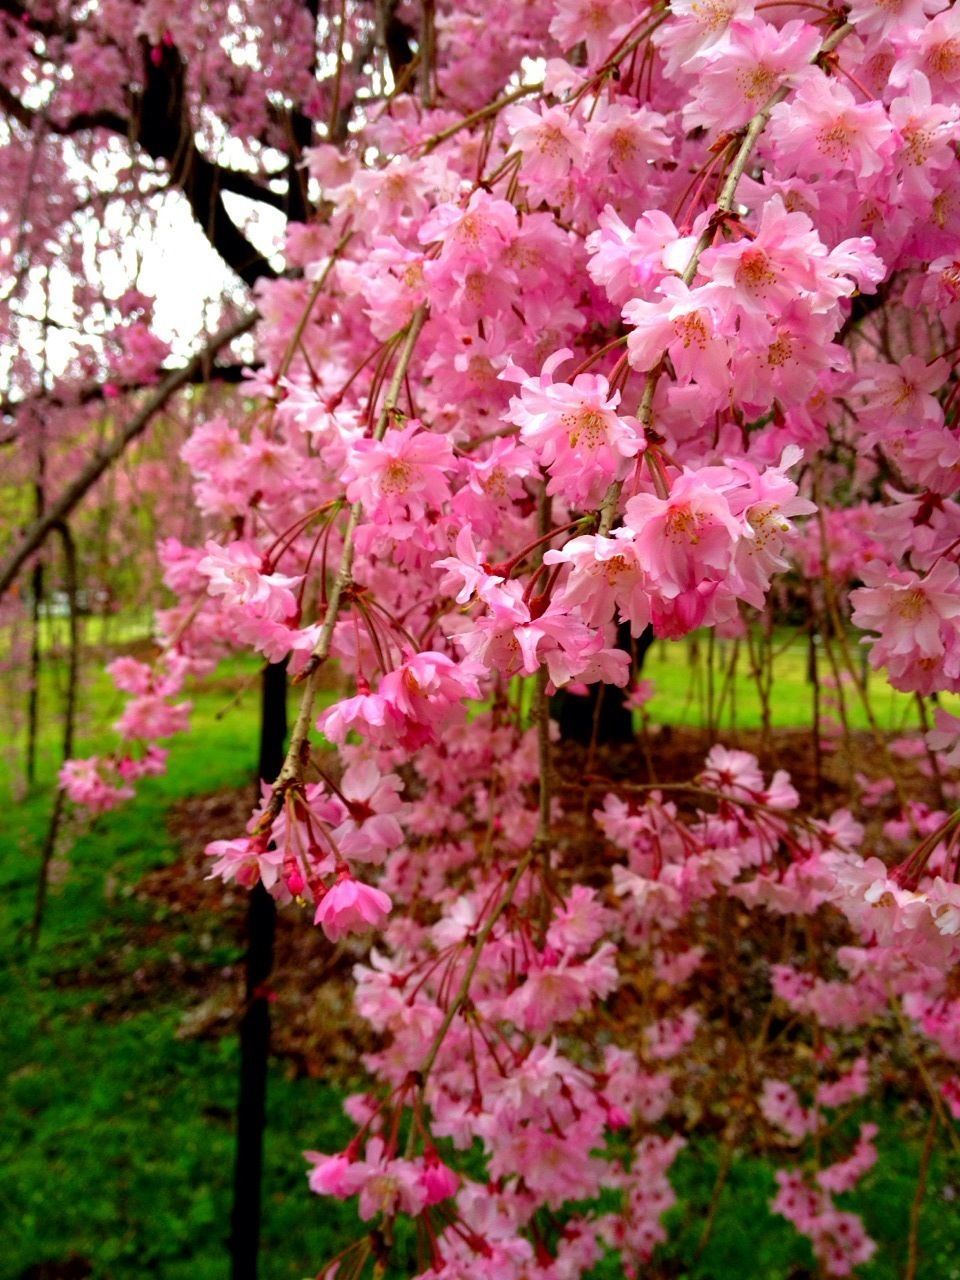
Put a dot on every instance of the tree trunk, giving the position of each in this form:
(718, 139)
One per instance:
(580, 718)
(255, 1027)
(69, 726)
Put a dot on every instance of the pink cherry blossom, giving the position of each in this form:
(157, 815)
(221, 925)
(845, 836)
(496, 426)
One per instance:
(574, 429)
(403, 473)
(351, 906)
(236, 573)
(687, 536)
(740, 73)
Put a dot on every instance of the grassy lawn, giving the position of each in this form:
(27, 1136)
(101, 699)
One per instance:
(692, 687)
(116, 1137)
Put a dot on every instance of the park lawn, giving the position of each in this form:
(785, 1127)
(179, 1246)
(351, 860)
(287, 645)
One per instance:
(685, 695)
(116, 1137)
(116, 1140)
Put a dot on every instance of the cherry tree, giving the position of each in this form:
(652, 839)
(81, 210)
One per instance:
(593, 317)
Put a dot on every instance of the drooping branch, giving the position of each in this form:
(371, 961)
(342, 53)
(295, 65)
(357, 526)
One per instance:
(539, 847)
(35, 535)
(291, 775)
(91, 392)
(725, 203)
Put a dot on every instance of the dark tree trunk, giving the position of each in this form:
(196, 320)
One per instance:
(69, 726)
(579, 717)
(255, 1027)
(36, 609)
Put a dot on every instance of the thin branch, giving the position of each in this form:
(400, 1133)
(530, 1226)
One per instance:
(291, 775)
(86, 393)
(464, 989)
(913, 1239)
(756, 126)
(538, 845)
(482, 113)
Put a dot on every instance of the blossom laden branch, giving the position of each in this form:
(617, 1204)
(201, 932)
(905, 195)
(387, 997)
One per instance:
(623, 207)
(291, 774)
(36, 533)
(724, 207)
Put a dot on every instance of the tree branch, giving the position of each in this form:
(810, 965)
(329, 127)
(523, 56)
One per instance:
(67, 398)
(161, 126)
(36, 533)
(291, 775)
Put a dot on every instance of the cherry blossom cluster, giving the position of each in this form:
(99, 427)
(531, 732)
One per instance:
(641, 314)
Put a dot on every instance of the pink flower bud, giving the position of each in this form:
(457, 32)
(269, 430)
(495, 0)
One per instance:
(438, 1180)
(326, 1178)
(617, 1118)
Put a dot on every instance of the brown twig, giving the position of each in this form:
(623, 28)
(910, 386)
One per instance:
(913, 1238)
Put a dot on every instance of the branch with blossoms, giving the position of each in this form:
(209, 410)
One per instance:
(447, 495)
(36, 533)
(291, 775)
(722, 212)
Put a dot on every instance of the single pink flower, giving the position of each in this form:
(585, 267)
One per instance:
(351, 906)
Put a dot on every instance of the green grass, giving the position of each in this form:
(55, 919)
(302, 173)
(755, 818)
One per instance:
(746, 1239)
(692, 688)
(117, 1146)
(116, 1137)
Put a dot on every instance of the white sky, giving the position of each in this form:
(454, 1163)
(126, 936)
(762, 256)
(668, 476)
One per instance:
(171, 261)
(183, 272)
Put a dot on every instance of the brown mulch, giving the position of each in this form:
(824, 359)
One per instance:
(314, 1026)
(73, 1267)
(674, 754)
